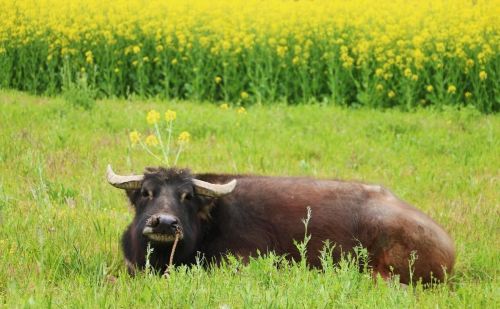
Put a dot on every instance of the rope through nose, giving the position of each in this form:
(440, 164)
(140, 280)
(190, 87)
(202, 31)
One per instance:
(171, 260)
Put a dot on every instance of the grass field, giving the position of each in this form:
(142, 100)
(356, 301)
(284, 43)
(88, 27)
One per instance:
(60, 222)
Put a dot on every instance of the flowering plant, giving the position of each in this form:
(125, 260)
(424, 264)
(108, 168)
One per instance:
(154, 142)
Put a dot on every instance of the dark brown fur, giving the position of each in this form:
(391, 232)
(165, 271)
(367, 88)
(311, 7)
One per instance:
(265, 213)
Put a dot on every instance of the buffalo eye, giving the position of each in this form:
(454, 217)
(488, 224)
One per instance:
(186, 196)
(147, 193)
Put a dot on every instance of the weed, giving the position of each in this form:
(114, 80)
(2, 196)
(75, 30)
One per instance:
(80, 93)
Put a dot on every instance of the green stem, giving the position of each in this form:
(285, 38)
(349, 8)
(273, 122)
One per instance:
(178, 154)
(169, 138)
(165, 153)
(149, 151)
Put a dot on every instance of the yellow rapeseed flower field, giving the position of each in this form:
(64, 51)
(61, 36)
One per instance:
(375, 53)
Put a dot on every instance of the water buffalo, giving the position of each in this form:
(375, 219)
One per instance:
(217, 214)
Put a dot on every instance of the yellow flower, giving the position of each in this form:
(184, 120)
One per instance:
(468, 95)
(281, 50)
(224, 106)
(391, 94)
(379, 87)
(159, 48)
(151, 140)
(174, 61)
(217, 79)
(184, 137)
(134, 137)
(89, 57)
(241, 110)
(136, 49)
(414, 77)
(483, 75)
(407, 72)
(170, 115)
(226, 45)
(429, 88)
(347, 63)
(440, 47)
(452, 89)
(153, 117)
(244, 95)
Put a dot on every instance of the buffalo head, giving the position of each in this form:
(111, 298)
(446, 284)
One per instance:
(166, 202)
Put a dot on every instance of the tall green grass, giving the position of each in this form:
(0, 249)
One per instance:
(60, 222)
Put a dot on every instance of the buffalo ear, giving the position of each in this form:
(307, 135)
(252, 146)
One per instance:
(186, 194)
(204, 213)
(133, 196)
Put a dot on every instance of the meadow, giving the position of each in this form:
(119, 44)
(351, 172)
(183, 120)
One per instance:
(60, 222)
(354, 53)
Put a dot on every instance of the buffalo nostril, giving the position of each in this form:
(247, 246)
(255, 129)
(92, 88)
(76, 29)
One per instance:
(153, 221)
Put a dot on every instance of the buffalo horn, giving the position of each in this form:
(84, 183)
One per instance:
(214, 190)
(129, 182)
